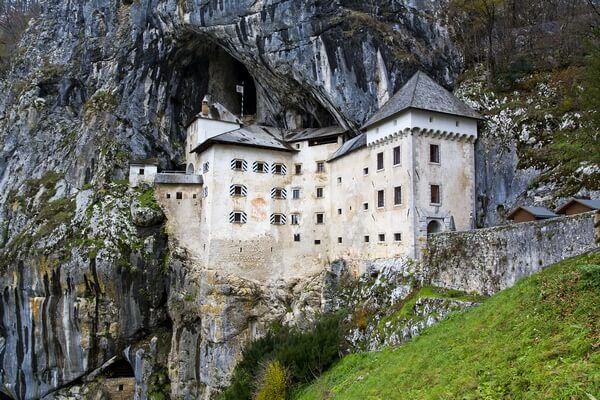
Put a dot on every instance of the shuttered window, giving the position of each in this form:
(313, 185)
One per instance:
(279, 193)
(238, 191)
(239, 165)
(278, 219)
(237, 217)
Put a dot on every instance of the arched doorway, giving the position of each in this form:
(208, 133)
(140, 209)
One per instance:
(433, 227)
(190, 169)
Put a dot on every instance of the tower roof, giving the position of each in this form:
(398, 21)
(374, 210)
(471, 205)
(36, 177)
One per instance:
(422, 92)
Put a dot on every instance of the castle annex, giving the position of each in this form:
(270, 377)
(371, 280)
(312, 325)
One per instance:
(258, 200)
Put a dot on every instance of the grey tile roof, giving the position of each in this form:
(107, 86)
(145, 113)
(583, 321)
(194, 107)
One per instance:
(179, 178)
(423, 93)
(538, 212)
(253, 135)
(314, 133)
(351, 145)
(593, 204)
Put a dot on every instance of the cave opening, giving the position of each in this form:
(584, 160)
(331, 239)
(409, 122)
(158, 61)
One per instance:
(120, 369)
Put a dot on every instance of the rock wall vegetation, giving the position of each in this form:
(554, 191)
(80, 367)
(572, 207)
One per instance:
(88, 272)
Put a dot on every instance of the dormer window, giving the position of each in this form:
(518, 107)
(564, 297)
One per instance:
(239, 165)
(279, 169)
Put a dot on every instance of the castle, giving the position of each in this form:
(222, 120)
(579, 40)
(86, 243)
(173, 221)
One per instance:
(256, 198)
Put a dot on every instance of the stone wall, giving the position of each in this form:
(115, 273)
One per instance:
(489, 260)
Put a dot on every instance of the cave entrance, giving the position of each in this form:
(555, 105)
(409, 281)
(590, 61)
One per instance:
(227, 77)
(120, 369)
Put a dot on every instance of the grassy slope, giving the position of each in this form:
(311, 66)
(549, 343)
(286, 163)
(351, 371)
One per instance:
(538, 340)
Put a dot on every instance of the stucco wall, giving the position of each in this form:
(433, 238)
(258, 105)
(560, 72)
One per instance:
(489, 260)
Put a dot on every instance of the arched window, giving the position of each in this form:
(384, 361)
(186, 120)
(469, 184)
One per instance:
(433, 227)
(190, 169)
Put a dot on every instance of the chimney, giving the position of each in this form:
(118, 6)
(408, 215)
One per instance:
(205, 106)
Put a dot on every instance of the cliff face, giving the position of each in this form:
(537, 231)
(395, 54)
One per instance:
(96, 83)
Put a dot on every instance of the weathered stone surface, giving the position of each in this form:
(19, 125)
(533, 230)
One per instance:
(489, 260)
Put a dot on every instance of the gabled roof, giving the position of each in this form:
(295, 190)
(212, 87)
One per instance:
(351, 145)
(314, 133)
(592, 204)
(422, 92)
(265, 137)
(538, 212)
(144, 161)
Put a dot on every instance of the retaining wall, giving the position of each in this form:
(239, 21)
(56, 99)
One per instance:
(489, 260)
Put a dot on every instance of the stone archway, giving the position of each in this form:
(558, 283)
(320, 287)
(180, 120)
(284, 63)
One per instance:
(433, 227)
(190, 169)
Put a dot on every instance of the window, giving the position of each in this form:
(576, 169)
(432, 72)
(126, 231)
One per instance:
(457, 124)
(430, 119)
(298, 169)
(381, 237)
(121, 386)
(237, 217)
(379, 161)
(397, 237)
(279, 169)
(238, 191)
(239, 165)
(295, 219)
(339, 211)
(380, 198)
(395, 122)
(317, 241)
(296, 237)
(366, 238)
(339, 179)
(194, 196)
(141, 172)
(320, 166)
(396, 154)
(339, 240)
(397, 195)
(319, 193)
(435, 194)
(205, 167)
(278, 219)
(434, 153)
(366, 171)
(365, 206)
(168, 195)
(179, 195)
(320, 218)
(298, 146)
(260, 167)
(278, 193)
(295, 193)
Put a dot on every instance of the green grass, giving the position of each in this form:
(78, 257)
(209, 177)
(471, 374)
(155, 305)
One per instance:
(537, 340)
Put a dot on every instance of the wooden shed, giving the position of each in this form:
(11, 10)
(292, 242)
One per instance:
(528, 213)
(578, 206)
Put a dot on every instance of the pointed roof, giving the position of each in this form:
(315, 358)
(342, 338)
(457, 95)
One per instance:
(537, 212)
(265, 137)
(423, 93)
(349, 146)
(591, 204)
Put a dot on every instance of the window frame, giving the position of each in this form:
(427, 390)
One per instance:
(439, 194)
(396, 189)
(320, 167)
(438, 154)
(320, 215)
(142, 171)
(365, 206)
(382, 206)
(320, 192)
(294, 219)
(399, 161)
(380, 157)
(294, 191)
(397, 237)
(297, 169)
(381, 237)
(365, 171)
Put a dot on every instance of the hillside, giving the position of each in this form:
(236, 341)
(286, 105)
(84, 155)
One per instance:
(539, 339)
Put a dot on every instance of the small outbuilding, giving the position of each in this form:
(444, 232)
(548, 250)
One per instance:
(142, 171)
(578, 206)
(529, 213)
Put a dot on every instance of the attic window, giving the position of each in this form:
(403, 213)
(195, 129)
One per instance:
(141, 171)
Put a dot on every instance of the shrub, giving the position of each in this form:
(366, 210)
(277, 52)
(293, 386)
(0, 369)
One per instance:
(303, 354)
(274, 382)
(590, 276)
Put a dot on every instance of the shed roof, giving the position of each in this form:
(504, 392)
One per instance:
(351, 145)
(591, 203)
(260, 136)
(538, 212)
(423, 93)
(314, 133)
(144, 161)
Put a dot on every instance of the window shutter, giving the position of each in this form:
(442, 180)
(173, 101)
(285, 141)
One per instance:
(244, 164)
(243, 217)
(243, 188)
(282, 219)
